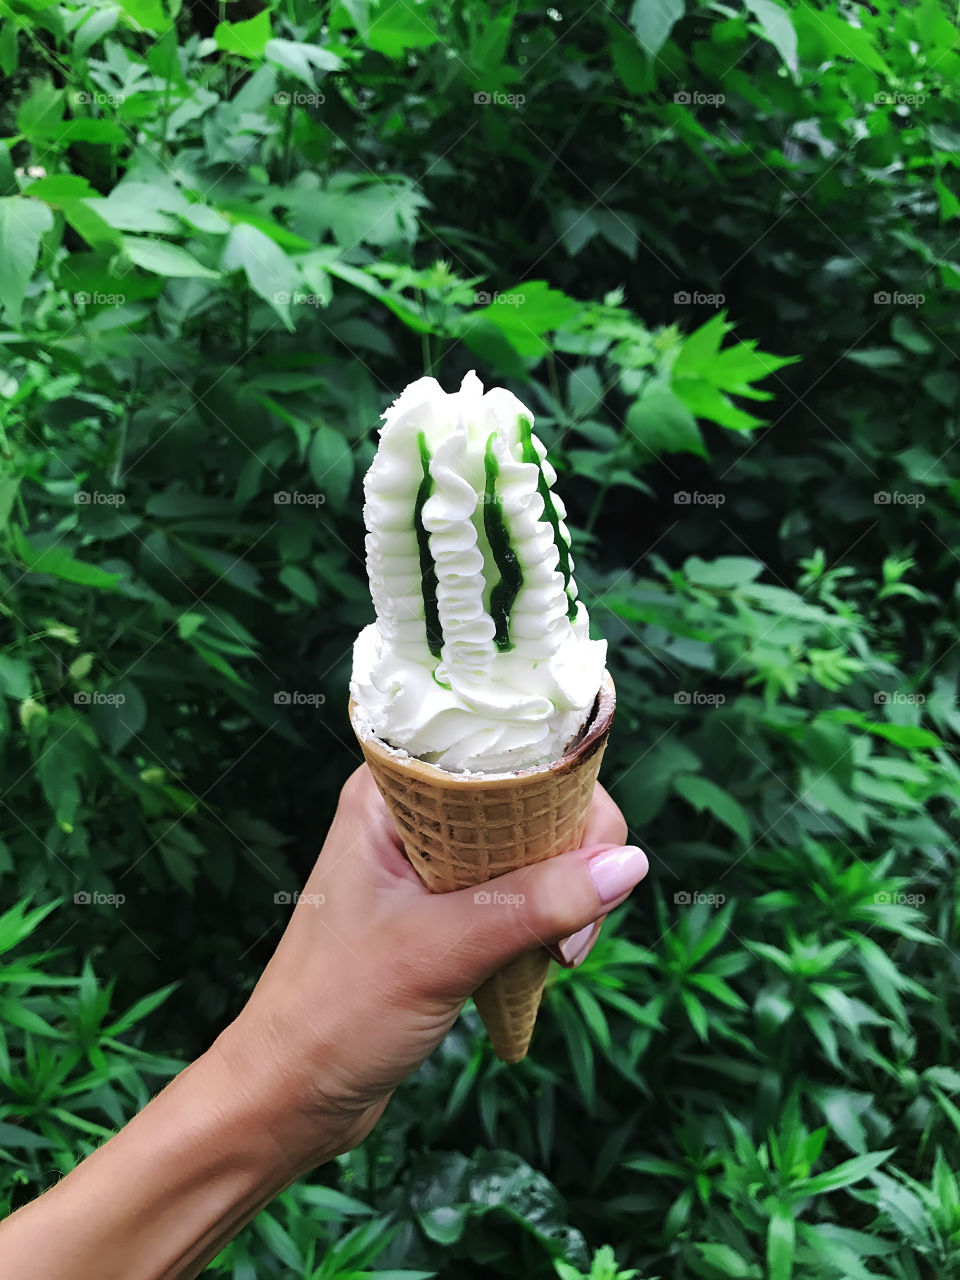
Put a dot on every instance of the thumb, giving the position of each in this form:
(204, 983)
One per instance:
(476, 931)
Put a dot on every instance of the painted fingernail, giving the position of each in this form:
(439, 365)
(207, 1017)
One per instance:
(575, 948)
(615, 871)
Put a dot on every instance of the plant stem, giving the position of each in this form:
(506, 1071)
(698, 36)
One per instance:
(597, 506)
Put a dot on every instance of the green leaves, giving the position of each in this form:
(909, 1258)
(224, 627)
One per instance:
(725, 574)
(57, 561)
(165, 259)
(844, 1175)
(704, 376)
(18, 923)
(777, 28)
(303, 61)
(447, 1193)
(331, 463)
(249, 38)
(703, 794)
(661, 423)
(269, 272)
(22, 224)
(524, 313)
(394, 26)
(14, 677)
(61, 763)
(652, 21)
(781, 1242)
(145, 15)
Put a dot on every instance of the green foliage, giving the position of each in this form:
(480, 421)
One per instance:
(712, 247)
(69, 1075)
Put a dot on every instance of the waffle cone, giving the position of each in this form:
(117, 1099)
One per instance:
(461, 830)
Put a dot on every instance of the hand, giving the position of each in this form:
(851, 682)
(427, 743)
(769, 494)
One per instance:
(373, 968)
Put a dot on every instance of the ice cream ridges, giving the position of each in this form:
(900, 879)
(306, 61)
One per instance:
(480, 657)
(479, 699)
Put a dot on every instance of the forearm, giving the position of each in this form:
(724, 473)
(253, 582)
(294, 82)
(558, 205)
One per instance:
(161, 1198)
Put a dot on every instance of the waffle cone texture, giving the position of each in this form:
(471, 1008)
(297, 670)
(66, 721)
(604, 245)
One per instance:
(461, 830)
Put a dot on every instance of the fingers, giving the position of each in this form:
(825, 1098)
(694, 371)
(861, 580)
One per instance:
(363, 847)
(473, 932)
(605, 823)
(572, 951)
(360, 798)
(559, 904)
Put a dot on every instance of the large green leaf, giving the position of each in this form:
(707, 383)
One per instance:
(270, 272)
(702, 794)
(526, 312)
(301, 60)
(653, 20)
(331, 463)
(63, 761)
(145, 15)
(57, 561)
(165, 259)
(398, 25)
(660, 423)
(778, 29)
(22, 224)
(248, 38)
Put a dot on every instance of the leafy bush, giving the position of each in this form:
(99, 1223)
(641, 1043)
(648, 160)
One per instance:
(65, 1066)
(222, 253)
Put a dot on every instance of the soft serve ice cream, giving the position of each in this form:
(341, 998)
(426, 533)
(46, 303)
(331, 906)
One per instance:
(480, 658)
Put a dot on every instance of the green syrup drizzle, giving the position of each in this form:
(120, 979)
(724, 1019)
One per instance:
(511, 576)
(428, 570)
(529, 454)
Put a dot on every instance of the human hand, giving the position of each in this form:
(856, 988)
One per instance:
(373, 969)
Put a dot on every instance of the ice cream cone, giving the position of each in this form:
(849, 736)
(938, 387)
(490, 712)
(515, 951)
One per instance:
(463, 829)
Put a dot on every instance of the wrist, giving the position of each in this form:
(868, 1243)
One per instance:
(301, 1119)
(162, 1197)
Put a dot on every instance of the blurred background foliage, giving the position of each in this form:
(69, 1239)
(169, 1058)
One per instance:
(714, 247)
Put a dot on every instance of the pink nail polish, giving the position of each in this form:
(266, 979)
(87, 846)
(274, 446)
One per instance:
(576, 946)
(615, 871)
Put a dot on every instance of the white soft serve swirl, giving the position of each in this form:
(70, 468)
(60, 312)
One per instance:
(474, 708)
